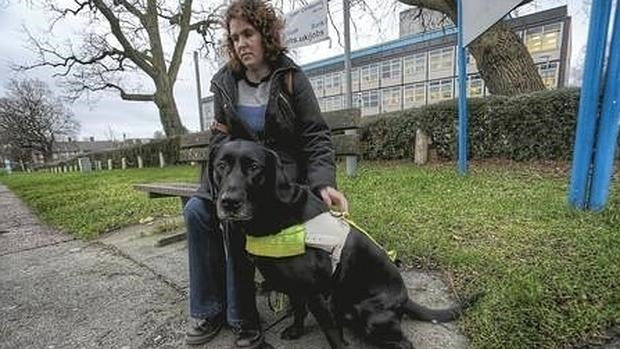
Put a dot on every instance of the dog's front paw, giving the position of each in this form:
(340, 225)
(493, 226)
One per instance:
(292, 332)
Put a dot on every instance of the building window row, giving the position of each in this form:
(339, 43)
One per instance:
(396, 98)
(435, 64)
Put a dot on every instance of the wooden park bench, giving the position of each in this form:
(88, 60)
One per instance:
(343, 124)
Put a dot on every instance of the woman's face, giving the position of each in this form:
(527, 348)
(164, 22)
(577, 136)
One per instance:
(248, 44)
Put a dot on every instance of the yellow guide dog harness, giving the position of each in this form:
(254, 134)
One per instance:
(327, 231)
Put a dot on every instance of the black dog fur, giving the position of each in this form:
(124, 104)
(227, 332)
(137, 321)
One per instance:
(255, 196)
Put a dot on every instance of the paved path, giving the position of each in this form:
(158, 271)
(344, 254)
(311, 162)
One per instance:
(120, 291)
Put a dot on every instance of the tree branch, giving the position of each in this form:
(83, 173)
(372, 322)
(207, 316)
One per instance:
(179, 47)
(445, 6)
(141, 59)
(134, 97)
(133, 10)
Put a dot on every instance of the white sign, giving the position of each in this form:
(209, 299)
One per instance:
(306, 25)
(480, 15)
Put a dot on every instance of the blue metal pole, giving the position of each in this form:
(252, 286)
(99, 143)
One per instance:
(462, 93)
(588, 103)
(608, 124)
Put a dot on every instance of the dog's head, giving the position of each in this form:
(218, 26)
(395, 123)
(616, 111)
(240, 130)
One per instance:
(251, 184)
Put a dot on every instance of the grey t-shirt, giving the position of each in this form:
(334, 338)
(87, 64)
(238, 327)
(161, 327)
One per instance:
(252, 103)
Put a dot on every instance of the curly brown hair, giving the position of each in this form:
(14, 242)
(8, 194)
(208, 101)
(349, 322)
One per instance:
(263, 17)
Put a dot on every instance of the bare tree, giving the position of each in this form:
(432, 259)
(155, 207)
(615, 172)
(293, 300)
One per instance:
(158, 135)
(124, 37)
(504, 63)
(32, 119)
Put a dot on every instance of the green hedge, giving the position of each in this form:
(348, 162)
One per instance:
(539, 125)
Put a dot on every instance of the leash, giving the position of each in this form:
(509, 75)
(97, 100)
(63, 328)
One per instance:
(346, 216)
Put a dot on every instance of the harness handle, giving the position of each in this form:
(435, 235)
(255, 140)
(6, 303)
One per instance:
(346, 216)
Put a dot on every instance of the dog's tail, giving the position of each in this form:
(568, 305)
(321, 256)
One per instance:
(420, 312)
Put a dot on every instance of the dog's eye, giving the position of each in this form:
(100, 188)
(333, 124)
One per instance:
(220, 166)
(255, 166)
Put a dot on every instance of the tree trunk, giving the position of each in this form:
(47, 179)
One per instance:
(168, 111)
(48, 152)
(504, 63)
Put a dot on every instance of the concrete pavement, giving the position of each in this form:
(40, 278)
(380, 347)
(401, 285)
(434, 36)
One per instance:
(120, 291)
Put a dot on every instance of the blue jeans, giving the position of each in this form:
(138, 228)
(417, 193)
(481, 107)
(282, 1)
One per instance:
(219, 282)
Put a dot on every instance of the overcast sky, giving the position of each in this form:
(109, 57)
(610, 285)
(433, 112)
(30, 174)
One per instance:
(140, 119)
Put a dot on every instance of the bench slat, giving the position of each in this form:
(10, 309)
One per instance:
(196, 139)
(346, 144)
(157, 190)
(194, 154)
(343, 119)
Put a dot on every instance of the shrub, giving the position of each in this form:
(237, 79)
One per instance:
(539, 125)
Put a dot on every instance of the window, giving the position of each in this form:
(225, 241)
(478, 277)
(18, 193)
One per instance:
(414, 95)
(355, 80)
(368, 101)
(327, 104)
(391, 72)
(390, 100)
(442, 60)
(551, 37)
(414, 67)
(474, 86)
(328, 81)
(317, 85)
(549, 74)
(544, 38)
(440, 90)
(357, 100)
(332, 83)
(369, 76)
(332, 103)
(471, 63)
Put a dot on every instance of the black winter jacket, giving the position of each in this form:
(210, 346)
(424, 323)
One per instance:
(294, 126)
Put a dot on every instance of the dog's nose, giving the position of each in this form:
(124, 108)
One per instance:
(231, 204)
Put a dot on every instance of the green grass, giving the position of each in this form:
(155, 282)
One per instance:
(551, 275)
(89, 204)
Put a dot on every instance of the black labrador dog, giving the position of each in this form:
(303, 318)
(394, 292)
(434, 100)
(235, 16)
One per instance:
(366, 288)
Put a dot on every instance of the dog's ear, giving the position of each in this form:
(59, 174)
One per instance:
(277, 181)
(239, 129)
(208, 173)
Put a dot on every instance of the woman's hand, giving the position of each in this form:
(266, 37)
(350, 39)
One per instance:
(333, 197)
